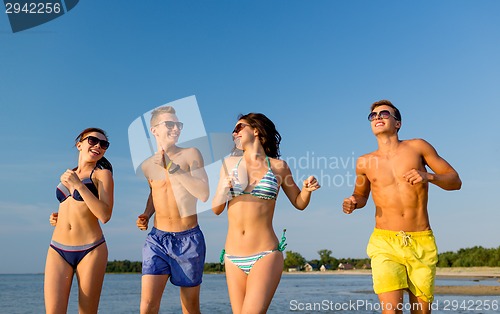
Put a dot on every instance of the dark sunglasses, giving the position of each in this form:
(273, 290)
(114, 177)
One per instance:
(94, 141)
(384, 114)
(239, 127)
(171, 124)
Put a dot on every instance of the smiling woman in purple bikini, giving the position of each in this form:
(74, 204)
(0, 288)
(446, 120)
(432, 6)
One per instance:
(253, 255)
(78, 246)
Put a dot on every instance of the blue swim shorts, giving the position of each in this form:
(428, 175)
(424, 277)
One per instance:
(178, 254)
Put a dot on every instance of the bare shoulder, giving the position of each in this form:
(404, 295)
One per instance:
(146, 164)
(190, 152)
(189, 155)
(368, 155)
(103, 174)
(364, 161)
(418, 144)
(279, 166)
(415, 141)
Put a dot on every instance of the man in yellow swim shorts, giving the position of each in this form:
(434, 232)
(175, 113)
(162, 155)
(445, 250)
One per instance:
(402, 248)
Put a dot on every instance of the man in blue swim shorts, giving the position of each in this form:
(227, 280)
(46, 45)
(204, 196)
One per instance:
(175, 247)
(402, 248)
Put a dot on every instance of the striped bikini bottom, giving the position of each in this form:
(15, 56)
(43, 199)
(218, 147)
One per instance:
(245, 263)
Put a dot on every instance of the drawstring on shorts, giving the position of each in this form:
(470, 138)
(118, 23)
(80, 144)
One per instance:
(405, 237)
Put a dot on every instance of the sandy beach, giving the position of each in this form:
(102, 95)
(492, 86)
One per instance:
(477, 274)
(487, 278)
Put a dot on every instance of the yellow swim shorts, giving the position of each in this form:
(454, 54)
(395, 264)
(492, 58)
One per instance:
(403, 260)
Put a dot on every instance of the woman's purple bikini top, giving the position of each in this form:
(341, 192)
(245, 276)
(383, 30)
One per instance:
(62, 192)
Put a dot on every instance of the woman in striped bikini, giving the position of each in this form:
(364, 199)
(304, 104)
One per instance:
(249, 186)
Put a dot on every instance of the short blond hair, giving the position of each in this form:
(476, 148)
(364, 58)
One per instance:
(159, 111)
(385, 102)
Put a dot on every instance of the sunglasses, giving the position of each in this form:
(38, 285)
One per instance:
(384, 114)
(94, 141)
(239, 127)
(171, 124)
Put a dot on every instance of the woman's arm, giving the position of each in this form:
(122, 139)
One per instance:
(299, 198)
(221, 197)
(101, 207)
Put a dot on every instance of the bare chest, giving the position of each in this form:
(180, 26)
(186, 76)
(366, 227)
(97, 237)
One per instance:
(389, 170)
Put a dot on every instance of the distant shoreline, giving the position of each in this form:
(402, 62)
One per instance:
(473, 273)
(445, 272)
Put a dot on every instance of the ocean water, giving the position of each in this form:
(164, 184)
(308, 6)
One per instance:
(297, 293)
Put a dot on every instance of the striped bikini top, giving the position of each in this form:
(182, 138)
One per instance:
(266, 189)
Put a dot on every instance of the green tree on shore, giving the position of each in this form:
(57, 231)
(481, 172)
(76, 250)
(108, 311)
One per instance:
(476, 256)
(326, 259)
(125, 266)
(293, 260)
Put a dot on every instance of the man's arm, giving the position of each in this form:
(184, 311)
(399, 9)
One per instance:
(196, 180)
(444, 175)
(143, 219)
(362, 188)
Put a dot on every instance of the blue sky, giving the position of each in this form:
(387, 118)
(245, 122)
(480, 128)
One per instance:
(314, 68)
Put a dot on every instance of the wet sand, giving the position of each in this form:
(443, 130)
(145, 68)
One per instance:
(487, 278)
(467, 290)
(471, 272)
